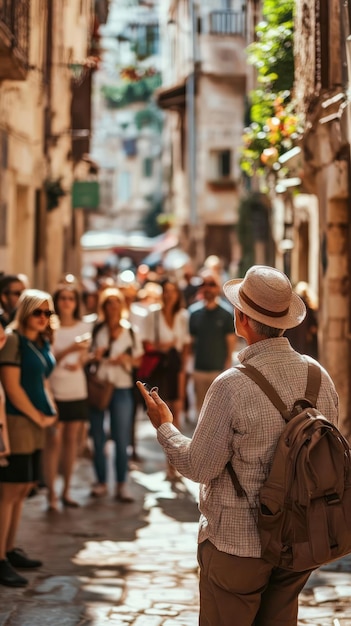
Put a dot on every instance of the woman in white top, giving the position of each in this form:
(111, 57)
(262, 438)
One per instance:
(167, 329)
(118, 349)
(68, 384)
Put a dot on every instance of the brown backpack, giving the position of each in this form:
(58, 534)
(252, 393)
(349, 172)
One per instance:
(304, 517)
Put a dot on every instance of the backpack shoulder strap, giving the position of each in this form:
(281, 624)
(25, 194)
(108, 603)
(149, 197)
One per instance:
(311, 394)
(266, 387)
(314, 379)
(312, 386)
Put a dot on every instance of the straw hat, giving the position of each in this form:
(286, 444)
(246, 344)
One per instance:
(266, 295)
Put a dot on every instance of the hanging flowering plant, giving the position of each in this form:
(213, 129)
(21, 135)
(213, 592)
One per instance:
(133, 73)
(265, 140)
(273, 127)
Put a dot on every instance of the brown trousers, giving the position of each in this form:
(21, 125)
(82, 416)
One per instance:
(240, 591)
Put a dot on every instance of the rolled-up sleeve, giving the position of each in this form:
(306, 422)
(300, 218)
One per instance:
(211, 439)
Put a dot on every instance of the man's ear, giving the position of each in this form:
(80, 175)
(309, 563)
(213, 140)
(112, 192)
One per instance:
(244, 318)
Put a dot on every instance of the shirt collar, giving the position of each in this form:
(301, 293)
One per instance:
(266, 346)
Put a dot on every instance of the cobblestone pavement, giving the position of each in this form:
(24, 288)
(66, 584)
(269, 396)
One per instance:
(114, 564)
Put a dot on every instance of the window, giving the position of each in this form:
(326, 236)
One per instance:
(147, 167)
(124, 186)
(220, 164)
(227, 22)
(130, 147)
(322, 45)
(3, 223)
(146, 40)
(106, 192)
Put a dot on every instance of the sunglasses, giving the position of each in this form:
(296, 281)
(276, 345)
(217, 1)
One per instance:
(68, 298)
(13, 293)
(213, 284)
(40, 312)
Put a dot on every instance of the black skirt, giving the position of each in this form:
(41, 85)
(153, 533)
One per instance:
(22, 468)
(73, 410)
(165, 376)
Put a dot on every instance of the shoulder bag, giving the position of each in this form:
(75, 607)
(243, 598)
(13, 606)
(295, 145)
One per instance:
(99, 391)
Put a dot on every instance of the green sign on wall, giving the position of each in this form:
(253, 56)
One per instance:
(85, 195)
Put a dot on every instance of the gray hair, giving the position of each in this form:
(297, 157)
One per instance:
(265, 331)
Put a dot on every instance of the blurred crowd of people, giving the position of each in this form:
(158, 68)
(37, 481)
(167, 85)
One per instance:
(117, 326)
(49, 344)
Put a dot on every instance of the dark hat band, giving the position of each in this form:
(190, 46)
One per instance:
(260, 309)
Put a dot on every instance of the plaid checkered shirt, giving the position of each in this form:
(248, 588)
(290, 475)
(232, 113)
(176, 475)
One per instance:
(238, 423)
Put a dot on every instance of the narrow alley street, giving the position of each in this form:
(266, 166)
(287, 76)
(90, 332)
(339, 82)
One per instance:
(108, 563)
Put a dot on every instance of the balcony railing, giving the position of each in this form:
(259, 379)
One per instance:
(14, 38)
(227, 23)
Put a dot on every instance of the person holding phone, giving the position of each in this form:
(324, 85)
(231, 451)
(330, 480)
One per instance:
(117, 349)
(69, 387)
(26, 361)
(239, 425)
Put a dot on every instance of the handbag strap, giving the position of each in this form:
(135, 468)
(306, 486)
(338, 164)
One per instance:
(96, 331)
(132, 335)
(157, 325)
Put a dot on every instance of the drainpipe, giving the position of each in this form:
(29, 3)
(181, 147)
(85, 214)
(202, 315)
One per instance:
(345, 25)
(348, 410)
(47, 80)
(196, 233)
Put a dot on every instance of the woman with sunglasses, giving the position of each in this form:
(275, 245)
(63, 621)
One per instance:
(69, 388)
(25, 364)
(118, 350)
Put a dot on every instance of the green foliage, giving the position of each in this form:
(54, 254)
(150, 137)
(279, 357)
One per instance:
(273, 131)
(54, 191)
(245, 236)
(272, 53)
(150, 117)
(273, 127)
(118, 96)
(150, 222)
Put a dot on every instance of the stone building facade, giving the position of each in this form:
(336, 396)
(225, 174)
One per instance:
(127, 139)
(321, 83)
(43, 46)
(205, 82)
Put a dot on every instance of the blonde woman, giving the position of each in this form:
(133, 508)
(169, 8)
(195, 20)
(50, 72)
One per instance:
(25, 364)
(118, 349)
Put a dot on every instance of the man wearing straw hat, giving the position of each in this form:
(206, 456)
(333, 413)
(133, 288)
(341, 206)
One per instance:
(238, 423)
